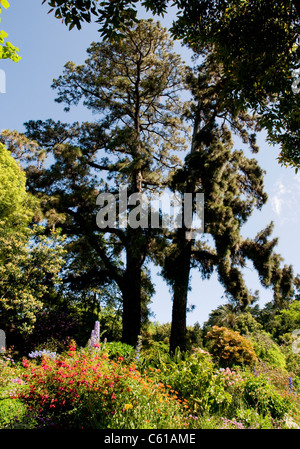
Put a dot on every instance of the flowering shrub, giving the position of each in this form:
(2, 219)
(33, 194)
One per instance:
(232, 424)
(11, 409)
(84, 389)
(195, 380)
(232, 379)
(258, 393)
(231, 348)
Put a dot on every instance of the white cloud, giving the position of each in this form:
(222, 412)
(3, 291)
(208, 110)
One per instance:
(277, 204)
(285, 199)
(277, 199)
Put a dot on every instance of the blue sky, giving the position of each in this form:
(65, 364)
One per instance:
(45, 46)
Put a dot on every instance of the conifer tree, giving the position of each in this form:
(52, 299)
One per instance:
(233, 187)
(133, 86)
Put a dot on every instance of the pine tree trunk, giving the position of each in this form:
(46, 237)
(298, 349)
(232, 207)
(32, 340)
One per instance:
(131, 291)
(131, 318)
(180, 293)
(132, 288)
(182, 274)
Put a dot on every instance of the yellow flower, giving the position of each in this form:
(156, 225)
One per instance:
(128, 406)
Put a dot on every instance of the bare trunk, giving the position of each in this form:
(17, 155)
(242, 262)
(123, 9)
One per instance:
(182, 274)
(180, 293)
(131, 318)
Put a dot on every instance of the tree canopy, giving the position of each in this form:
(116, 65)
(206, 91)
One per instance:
(7, 50)
(256, 41)
(29, 262)
(14, 200)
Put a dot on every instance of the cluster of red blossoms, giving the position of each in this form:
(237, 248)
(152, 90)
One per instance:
(63, 383)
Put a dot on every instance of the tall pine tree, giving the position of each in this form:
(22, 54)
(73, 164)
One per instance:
(133, 86)
(233, 186)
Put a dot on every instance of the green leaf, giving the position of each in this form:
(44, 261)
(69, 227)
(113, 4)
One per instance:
(4, 3)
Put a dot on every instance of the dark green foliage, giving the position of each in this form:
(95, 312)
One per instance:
(256, 42)
(233, 187)
(246, 324)
(115, 350)
(53, 326)
(73, 11)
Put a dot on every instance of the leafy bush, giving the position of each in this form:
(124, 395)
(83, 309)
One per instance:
(288, 319)
(154, 354)
(292, 361)
(230, 347)
(194, 378)
(12, 411)
(160, 333)
(246, 324)
(6, 371)
(116, 349)
(258, 393)
(267, 350)
(157, 332)
(250, 418)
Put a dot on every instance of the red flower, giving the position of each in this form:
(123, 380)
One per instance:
(113, 396)
(72, 347)
(121, 359)
(25, 363)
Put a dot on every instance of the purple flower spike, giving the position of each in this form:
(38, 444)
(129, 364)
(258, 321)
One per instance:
(95, 335)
